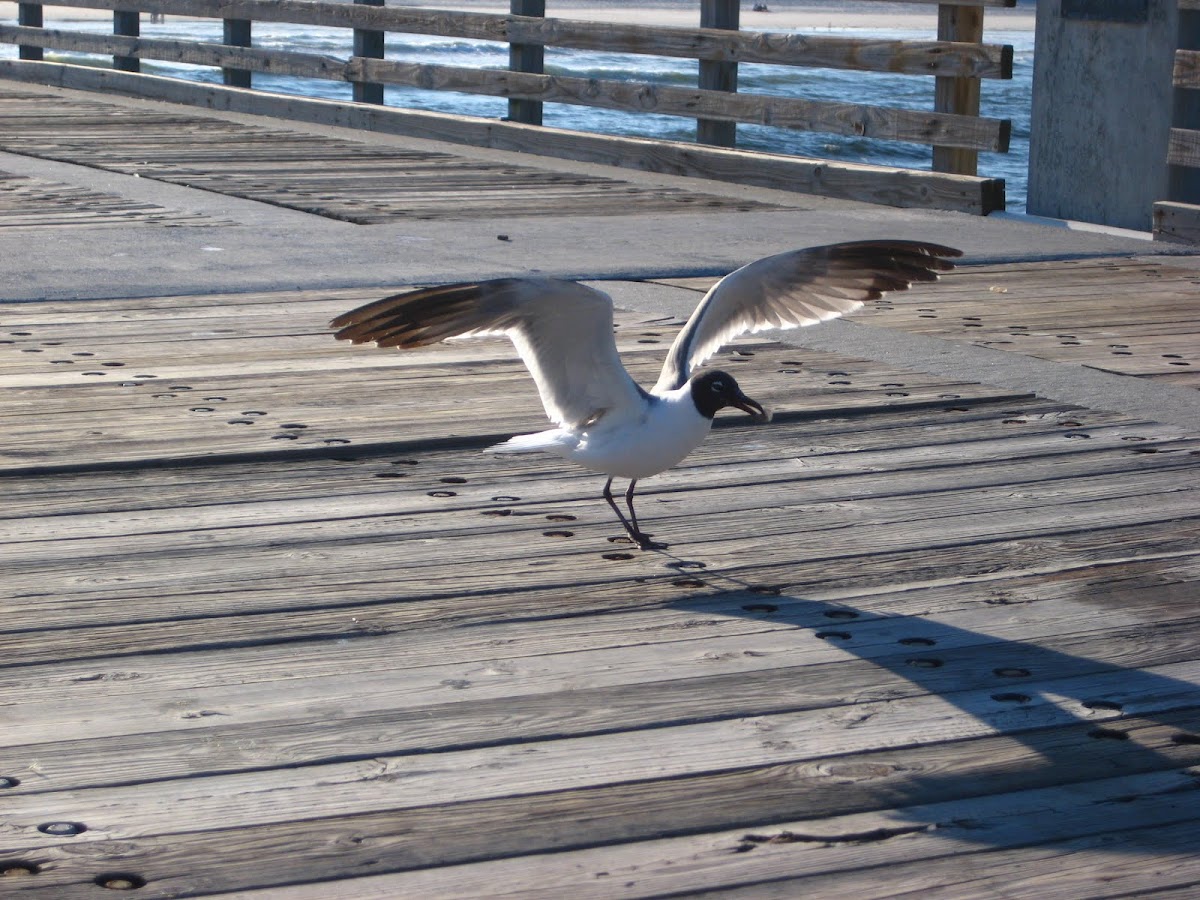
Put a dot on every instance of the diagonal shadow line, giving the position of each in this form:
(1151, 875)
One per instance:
(1063, 707)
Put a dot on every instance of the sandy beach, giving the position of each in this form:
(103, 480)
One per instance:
(783, 15)
(796, 15)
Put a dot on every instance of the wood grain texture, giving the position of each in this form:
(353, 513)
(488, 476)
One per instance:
(1183, 148)
(1130, 317)
(1177, 222)
(959, 96)
(1186, 72)
(332, 177)
(36, 203)
(270, 635)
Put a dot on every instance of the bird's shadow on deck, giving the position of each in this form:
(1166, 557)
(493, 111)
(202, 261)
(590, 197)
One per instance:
(1076, 718)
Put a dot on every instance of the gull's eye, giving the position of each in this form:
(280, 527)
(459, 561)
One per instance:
(717, 387)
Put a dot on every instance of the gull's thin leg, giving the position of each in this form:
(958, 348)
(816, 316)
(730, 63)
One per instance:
(637, 534)
(629, 503)
(642, 540)
(630, 530)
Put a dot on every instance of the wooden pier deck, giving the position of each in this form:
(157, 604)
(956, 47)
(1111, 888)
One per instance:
(274, 628)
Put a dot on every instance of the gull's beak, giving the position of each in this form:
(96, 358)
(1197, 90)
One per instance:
(753, 407)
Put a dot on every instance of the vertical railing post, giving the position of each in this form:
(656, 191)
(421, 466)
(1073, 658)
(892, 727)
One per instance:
(29, 15)
(526, 58)
(129, 24)
(716, 75)
(237, 34)
(368, 43)
(957, 95)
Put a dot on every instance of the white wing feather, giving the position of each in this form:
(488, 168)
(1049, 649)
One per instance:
(562, 330)
(795, 289)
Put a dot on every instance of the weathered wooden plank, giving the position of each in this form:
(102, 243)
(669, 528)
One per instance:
(728, 859)
(1084, 317)
(304, 65)
(347, 608)
(143, 411)
(889, 494)
(141, 586)
(1186, 72)
(51, 372)
(984, 439)
(831, 474)
(1100, 866)
(230, 432)
(458, 718)
(1176, 222)
(392, 784)
(358, 575)
(293, 389)
(911, 57)
(512, 826)
(1011, 437)
(862, 120)
(1183, 148)
(462, 676)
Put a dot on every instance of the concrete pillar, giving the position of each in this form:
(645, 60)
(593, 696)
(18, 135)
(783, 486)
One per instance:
(1102, 109)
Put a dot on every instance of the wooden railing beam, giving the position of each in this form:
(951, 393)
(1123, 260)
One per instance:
(237, 34)
(998, 4)
(718, 75)
(368, 42)
(127, 23)
(30, 15)
(1186, 73)
(883, 123)
(854, 54)
(959, 96)
(530, 58)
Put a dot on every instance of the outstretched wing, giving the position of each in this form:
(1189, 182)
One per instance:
(562, 330)
(801, 287)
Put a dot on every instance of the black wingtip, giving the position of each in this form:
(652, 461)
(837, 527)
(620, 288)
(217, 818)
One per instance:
(411, 318)
(921, 248)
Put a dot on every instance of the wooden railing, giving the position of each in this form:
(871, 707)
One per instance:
(958, 60)
(1175, 221)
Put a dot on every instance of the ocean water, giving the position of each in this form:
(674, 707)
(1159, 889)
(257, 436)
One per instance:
(1000, 99)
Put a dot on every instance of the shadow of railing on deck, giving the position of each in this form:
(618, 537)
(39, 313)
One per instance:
(1059, 718)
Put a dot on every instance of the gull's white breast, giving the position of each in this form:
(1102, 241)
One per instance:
(644, 442)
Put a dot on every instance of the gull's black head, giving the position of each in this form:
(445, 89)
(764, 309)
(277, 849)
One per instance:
(713, 391)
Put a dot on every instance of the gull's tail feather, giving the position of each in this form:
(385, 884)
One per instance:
(556, 440)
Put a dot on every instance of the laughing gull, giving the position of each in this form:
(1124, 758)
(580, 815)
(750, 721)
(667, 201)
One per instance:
(563, 332)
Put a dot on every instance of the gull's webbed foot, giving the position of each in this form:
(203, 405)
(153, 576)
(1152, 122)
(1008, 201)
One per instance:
(645, 543)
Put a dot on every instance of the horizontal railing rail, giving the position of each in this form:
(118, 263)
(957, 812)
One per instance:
(885, 123)
(946, 58)
(958, 60)
(1172, 220)
(1184, 146)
